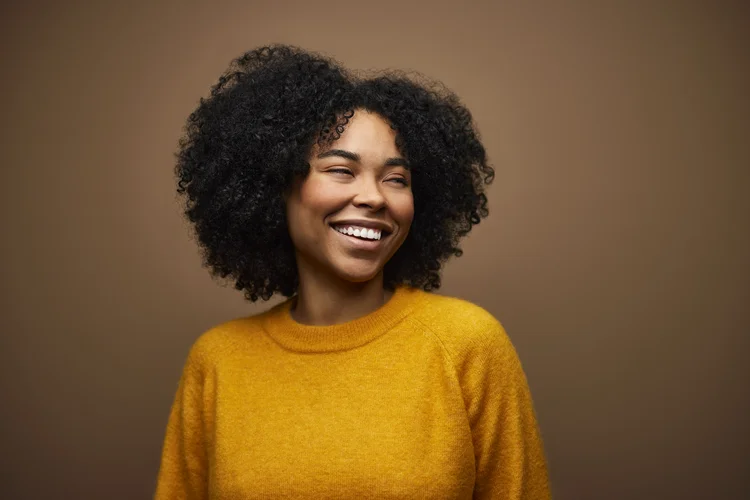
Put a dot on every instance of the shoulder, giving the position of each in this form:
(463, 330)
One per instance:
(451, 316)
(466, 330)
(445, 311)
(224, 341)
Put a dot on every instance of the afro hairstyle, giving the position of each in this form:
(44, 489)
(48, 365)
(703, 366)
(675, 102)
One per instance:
(246, 142)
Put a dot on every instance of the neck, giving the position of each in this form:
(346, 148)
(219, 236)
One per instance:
(326, 300)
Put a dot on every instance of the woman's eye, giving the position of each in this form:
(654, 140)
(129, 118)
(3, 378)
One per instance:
(400, 180)
(340, 171)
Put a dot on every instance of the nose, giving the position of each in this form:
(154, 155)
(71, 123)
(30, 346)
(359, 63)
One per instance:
(369, 195)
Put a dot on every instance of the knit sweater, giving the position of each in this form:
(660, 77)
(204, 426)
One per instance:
(424, 397)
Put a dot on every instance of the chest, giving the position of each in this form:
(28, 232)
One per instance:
(386, 430)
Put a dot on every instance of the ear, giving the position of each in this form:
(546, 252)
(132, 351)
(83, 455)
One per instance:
(292, 187)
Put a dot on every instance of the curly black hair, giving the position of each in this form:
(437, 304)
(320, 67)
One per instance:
(244, 145)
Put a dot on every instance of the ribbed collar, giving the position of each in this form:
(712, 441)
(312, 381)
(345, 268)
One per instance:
(295, 336)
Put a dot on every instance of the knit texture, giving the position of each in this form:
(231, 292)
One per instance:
(423, 398)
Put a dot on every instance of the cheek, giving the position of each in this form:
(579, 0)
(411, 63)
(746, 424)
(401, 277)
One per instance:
(403, 209)
(319, 197)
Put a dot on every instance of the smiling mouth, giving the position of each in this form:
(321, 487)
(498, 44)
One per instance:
(363, 243)
(361, 233)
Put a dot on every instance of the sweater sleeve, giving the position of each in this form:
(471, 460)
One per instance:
(508, 448)
(183, 472)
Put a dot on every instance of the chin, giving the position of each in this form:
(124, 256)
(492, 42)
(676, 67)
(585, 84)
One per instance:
(357, 274)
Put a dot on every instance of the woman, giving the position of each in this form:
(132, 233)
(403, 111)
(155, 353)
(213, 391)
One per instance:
(345, 195)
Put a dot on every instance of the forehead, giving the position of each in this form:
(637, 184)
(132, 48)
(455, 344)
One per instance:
(366, 133)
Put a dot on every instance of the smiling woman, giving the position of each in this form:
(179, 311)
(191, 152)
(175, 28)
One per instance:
(345, 195)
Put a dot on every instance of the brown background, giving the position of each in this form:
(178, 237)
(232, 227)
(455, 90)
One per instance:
(616, 253)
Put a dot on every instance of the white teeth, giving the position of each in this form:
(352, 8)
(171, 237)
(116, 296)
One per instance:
(370, 234)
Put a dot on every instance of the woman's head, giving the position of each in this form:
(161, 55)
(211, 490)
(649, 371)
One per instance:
(289, 146)
(353, 209)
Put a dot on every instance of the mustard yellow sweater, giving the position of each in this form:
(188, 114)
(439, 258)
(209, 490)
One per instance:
(422, 398)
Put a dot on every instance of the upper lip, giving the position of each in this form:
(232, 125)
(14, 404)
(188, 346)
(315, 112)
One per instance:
(370, 224)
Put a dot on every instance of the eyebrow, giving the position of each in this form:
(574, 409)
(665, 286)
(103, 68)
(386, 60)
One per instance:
(390, 162)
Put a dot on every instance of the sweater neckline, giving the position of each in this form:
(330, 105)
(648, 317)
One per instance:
(281, 327)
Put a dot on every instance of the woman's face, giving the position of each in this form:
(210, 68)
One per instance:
(359, 185)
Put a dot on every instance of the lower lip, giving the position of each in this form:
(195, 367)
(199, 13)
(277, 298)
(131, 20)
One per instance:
(360, 243)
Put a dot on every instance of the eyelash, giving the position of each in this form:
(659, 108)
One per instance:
(339, 170)
(399, 180)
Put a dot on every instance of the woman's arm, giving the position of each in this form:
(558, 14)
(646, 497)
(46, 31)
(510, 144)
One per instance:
(184, 466)
(508, 447)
